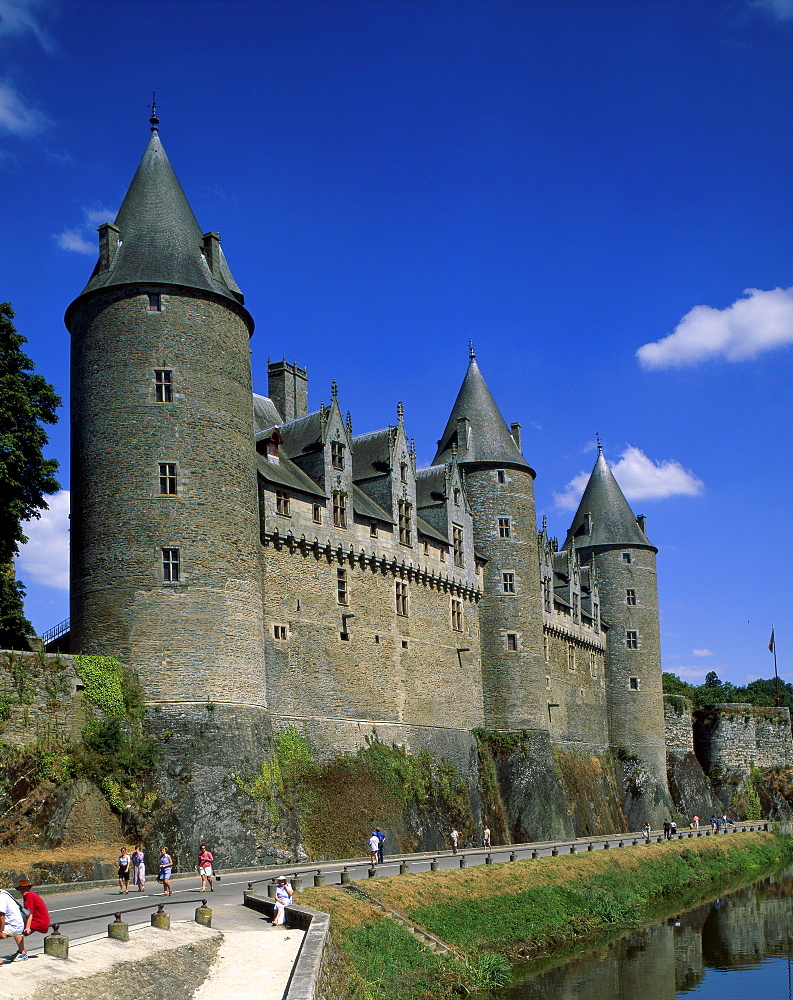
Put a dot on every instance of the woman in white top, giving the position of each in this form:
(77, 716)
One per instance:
(283, 897)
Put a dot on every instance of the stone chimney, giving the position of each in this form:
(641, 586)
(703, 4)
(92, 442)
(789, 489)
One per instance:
(288, 388)
(109, 242)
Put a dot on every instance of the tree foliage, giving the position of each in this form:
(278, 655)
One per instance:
(14, 626)
(715, 691)
(26, 401)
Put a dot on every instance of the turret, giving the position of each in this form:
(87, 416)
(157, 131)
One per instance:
(610, 538)
(165, 569)
(499, 487)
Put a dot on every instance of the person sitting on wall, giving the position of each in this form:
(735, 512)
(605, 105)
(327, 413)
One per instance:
(38, 918)
(283, 897)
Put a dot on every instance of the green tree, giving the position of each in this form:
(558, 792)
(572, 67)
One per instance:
(14, 626)
(27, 401)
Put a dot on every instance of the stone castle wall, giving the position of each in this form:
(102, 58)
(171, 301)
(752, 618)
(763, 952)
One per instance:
(40, 698)
(678, 724)
(733, 737)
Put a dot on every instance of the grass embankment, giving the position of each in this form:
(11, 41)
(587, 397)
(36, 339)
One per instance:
(519, 910)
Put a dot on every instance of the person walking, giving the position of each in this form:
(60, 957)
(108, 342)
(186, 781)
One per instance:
(166, 867)
(454, 836)
(124, 865)
(139, 868)
(374, 847)
(646, 832)
(380, 843)
(12, 922)
(695, 823)
(486, 838)
(38, 918)
(283, 897)
(205, 860)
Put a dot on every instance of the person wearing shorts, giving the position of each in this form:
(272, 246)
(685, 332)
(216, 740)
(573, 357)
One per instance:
(38, 918)
(124, 865)
(166, 867)
(12, 922)
(205, 860)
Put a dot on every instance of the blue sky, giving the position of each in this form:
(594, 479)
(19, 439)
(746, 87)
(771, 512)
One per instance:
(597, 193)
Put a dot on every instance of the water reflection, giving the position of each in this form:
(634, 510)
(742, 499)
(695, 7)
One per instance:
(734, 947)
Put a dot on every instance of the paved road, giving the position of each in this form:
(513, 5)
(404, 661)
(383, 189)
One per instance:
(95, 907)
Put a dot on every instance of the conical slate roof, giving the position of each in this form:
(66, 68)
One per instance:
(613, 522)
(160, 241)
(489, 439)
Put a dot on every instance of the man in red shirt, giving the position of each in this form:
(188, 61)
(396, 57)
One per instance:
(38, 918)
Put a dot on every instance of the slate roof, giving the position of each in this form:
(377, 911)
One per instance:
(372, 453)
(161, 241)
(613, 522)
(363, 504)
(425, 528)
(265, 414)
(303, 435)
(431, 486)
(490, 440)
(286, 473)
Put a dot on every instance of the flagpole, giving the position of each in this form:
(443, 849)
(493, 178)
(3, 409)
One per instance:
(772, 646)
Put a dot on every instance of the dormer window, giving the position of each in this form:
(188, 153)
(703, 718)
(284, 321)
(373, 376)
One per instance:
(403, 472)
(271, 444)
(457, 496)
(337, 454)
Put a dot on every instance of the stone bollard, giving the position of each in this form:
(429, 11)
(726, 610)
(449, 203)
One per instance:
(488, 859)
(699, 833)
(573, 849)
(372, 871)
(203, 914)
(634, 842)
(513, 856)
(659, 840)
(690, 834)
(621, 844)
(160, 919)
(463, 861)
(555, 853)
(56, 945)
(534, 854)
(404, 868)
(118, 930)
(434, 865)
(297, 883)
(590, 846)
(345, 876)
(271, 890)
(606, 846)
(319, 878)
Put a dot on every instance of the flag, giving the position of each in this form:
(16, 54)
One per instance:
(771, 645)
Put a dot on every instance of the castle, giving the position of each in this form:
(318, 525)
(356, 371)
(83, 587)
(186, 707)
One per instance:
(247, 552)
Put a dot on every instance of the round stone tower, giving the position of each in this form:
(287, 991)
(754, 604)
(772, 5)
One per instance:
(608, 536)
(499, 486)
(165, 564)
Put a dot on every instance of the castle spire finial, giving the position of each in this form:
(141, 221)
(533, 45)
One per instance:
(401, 411)
(544, 523)
(600, 444)
(471, 351)
(153, 120)
(334, 390)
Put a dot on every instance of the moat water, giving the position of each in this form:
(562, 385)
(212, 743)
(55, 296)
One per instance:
(735, 947)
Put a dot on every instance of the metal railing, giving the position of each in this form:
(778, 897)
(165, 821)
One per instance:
(117, 914)
(56, 631)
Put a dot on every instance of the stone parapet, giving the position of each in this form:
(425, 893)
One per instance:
(735, 737)
(678, 725)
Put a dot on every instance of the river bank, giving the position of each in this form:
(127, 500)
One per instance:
(516, 911)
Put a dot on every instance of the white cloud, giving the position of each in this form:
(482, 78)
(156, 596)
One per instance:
(16, 115)
(73, 239)
(640, 478)
(782, 10)
(44, 559)
(18, 17)
(701, 652)
(82, 238)
(759, 322)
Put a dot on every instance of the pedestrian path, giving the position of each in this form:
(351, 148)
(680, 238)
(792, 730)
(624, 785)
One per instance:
(255, 959)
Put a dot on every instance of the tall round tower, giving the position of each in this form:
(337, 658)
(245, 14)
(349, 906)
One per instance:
(499, 486)
(165, 564)
(607, 535)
